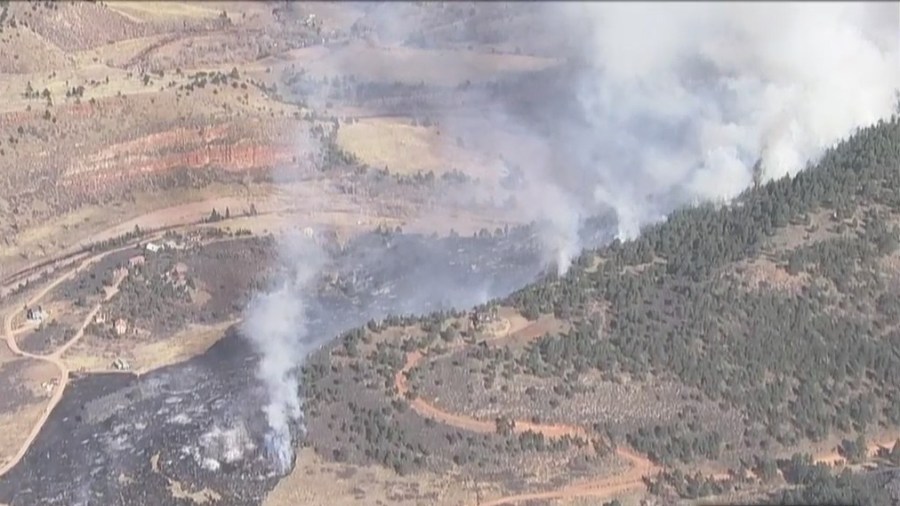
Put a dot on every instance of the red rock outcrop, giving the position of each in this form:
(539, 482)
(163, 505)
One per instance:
(95, 152)
(221, 147)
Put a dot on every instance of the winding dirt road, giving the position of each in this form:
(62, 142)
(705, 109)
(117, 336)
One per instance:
(601, 488)
(630, 480)
(174, 218)
(54, 358)
(606, 487)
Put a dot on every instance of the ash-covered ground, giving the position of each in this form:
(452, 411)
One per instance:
(121, 439)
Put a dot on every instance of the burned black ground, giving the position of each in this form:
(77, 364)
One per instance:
(14, 393)
(107, 429)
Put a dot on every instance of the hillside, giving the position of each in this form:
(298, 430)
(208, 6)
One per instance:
(403, 181)
(723, 339)
(190, 104)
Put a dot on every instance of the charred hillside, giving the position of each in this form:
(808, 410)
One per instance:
(199, 423)
(778, 310)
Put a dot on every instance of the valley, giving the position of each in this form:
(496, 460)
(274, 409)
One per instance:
(491, 293)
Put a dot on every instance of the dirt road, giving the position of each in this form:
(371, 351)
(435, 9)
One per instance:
(601, 488)
(168, 219)
(54, 358)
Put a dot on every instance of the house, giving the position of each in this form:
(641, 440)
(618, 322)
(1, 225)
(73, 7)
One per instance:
(48, 386)
(171, 244)
(121, 364)
(480, 319)
(100, 317)
(136, 261)
(152, 247)
(35, 315)
(178, 274)
(121, 327)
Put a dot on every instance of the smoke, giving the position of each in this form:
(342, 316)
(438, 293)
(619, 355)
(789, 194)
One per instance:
(219, 445)
(275, 323)
(648, 107)
(687, 100)
(655, 106)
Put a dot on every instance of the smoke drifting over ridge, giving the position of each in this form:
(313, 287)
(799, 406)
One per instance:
(688, 98)
(662, 105)
(651, 107)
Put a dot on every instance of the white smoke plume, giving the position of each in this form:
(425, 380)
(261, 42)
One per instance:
(677, 103)
(219, 445)
(658, 105)
(275, 324)
(690, 99)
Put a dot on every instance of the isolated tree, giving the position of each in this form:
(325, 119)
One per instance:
(505, 425)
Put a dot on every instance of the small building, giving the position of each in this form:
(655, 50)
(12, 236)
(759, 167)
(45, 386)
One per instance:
(121, 364)
(121, 327)
(480, 319)
(35, 314)
(177, 275)
(100, 317)
(136, 261)
(48, 386)
(172, 244)
(152, 247)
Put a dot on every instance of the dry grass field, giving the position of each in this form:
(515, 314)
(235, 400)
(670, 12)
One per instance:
(25, 396)
(153, 11)
(99, 121)
(315, 482)
(405, 147)
(93, 354)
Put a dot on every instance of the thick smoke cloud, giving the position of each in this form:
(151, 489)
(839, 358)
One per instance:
(275, 323)
(687, 99)
(652, 106)
(663, 105)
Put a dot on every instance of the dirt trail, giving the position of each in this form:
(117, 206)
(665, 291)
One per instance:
(631, 479)
(174, 218)
(602, 488)
(55, 357)
(833, 458)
